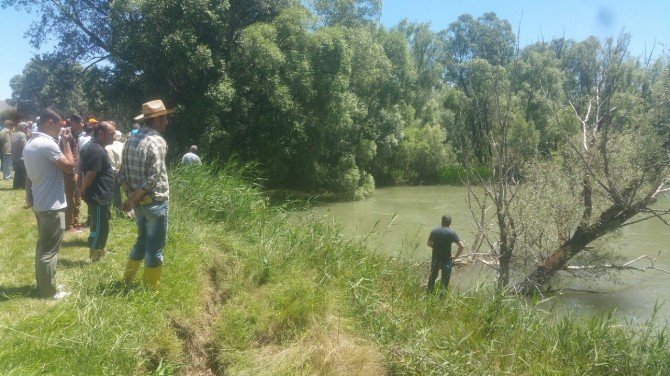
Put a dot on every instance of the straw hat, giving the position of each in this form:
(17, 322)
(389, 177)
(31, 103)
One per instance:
(153, 109)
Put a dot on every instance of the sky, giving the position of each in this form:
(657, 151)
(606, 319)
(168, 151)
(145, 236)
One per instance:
(648, 22)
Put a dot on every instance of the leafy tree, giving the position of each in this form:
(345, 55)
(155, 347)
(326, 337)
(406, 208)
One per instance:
(49, 80)
(616, 168)
(474, 47)
(348, 13)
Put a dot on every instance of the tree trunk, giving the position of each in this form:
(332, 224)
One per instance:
(503, 263)
(610, 220)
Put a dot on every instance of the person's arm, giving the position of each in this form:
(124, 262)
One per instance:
(134, 197)
(29, 194)
(461, 246)
(155, 158)
(430, 240)
(88, 179)
(66, 161)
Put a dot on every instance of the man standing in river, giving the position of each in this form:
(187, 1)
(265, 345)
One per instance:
(440, 240)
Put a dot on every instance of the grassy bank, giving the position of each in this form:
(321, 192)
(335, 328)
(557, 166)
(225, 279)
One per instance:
(245, 291)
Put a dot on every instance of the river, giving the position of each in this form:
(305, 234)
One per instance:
(396, 222)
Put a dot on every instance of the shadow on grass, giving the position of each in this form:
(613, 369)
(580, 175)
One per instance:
(15, 292)
(76, 242)
(67, 263)
(9, 189)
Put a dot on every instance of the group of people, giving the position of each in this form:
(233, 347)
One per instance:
(62, 167)
(13, 138)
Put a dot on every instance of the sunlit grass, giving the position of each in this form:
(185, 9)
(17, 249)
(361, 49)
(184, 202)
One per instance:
(245, 291)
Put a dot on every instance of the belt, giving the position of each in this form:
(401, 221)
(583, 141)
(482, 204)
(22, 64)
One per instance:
(146, 200)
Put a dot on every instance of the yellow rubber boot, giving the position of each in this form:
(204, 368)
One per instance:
(132, 266)
(152, 278)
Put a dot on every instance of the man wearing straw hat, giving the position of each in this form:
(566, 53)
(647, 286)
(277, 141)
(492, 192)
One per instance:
(144, 178)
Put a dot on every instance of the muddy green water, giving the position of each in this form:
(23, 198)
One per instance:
(396, 222)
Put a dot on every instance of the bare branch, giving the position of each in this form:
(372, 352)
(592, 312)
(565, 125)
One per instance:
(584, 121)
(626, 266)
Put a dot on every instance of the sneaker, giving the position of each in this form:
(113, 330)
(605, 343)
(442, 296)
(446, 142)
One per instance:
(60, 295)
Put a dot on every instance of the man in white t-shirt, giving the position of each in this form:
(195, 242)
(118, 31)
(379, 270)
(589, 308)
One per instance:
(114, 151)
(191, 158)
(45, 194)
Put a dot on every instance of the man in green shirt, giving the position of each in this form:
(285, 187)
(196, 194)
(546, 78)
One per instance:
(440, 241)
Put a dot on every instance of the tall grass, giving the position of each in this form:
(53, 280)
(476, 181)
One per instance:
(291, 277)
(247, 290)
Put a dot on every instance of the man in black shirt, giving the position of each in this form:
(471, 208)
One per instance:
(98, 187)
(440, 240)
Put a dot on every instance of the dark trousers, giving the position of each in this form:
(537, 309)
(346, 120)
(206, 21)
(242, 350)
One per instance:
(439, 263)
(117, 199)
(19, 174)
(99, 216)
(50, 228)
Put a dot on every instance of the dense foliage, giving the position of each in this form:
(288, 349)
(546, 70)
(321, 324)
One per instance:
(318, 93)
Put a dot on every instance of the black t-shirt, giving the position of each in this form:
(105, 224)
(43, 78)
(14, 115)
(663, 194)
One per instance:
(94, 157)
(442, 238)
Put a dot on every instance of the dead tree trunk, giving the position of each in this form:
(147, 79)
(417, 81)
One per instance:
(610, 220)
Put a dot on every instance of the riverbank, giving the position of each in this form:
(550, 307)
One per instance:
(247, 292)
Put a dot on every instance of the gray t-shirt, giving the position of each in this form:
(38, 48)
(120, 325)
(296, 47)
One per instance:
(5, 141)
(190, 159)
(18, 143)
(39, 155)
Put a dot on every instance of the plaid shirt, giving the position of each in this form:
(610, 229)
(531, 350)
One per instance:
(143, 164)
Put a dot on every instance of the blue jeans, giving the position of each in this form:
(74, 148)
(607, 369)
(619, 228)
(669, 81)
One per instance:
(152, 223)
(6, 166)
(439, 264)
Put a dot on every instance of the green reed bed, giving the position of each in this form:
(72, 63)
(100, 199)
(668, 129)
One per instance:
(383, 302)
(249, 290)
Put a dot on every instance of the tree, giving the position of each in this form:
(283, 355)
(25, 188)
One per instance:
(348, 13)
(474, 47)
(512, 145)
(49, 80)
(622, 165)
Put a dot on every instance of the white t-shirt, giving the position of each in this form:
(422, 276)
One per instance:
(83, 139)
(39, 155)
(114, 151)
(190, 159)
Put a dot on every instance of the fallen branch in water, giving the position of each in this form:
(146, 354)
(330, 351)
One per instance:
(491, 260)
(488, 258)
(627, 266)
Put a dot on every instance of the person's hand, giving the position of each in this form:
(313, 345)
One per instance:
(66, 135)
(133, 200)
(128, 205)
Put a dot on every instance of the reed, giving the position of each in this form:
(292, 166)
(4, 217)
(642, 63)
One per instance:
(250, 289)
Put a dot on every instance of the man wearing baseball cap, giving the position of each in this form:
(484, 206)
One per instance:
(144, 178)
